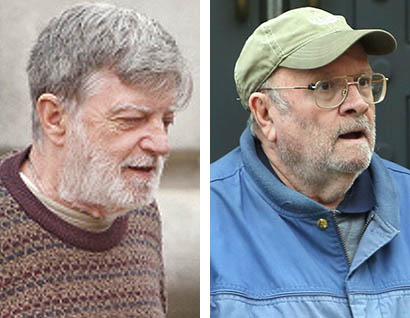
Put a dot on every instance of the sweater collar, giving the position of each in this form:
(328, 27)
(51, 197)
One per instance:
(37, 211)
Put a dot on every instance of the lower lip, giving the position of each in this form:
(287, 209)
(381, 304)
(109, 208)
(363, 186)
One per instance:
(358, 140)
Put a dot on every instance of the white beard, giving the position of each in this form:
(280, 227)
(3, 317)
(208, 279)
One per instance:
(90, 177)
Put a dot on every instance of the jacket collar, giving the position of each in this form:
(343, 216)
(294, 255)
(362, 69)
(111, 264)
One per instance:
(297, 204)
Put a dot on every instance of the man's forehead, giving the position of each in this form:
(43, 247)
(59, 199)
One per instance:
(107, 83)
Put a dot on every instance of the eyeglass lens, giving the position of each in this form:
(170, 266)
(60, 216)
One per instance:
(331, 93)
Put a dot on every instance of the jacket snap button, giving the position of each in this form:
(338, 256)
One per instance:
(322, 224)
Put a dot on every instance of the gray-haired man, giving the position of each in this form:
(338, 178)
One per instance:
(306, 221)
(105, 85)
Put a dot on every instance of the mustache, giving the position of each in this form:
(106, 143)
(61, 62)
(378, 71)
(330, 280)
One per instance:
(143, 161)
(360, 124)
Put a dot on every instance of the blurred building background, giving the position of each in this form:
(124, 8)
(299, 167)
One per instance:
(233, 21)
(20, 23)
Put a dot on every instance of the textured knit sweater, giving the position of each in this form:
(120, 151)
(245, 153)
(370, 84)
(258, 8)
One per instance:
(49, 268)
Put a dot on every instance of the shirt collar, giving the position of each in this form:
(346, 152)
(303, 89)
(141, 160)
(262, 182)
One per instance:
(360, 197)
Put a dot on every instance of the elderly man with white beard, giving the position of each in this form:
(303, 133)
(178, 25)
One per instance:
(80, 233)
(306, 220)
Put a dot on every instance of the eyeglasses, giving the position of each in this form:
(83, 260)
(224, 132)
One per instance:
(332, 93)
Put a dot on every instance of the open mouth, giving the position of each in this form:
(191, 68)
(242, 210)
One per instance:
(353, 135)
(145, 167)
(142, 170)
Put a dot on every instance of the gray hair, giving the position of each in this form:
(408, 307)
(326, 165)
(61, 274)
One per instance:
(281, 104)
(89, 38)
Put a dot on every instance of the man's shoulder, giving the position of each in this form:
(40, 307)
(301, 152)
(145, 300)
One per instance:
(8, 154)
(396, 168)
(400, 176)
(6, 173)
(227, 166)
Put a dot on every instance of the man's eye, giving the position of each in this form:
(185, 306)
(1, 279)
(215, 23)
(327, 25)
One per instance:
(325, 85)
(364, 81)
(131, 120)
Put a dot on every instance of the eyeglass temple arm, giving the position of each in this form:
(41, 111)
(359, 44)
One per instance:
(310, 86)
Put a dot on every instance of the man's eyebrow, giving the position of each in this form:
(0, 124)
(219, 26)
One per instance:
(129, 106)
(329, 75)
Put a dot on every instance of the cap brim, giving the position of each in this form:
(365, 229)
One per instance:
(326, 49)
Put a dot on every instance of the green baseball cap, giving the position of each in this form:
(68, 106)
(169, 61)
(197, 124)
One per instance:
(304, 38)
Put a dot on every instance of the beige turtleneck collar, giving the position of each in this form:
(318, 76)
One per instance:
(76, 218)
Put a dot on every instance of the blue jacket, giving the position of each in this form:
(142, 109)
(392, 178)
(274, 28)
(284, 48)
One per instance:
(270, 259)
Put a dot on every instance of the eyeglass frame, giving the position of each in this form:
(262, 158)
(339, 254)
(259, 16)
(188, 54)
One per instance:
(312, 86)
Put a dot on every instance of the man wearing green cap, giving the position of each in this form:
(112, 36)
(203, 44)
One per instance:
(306, 220)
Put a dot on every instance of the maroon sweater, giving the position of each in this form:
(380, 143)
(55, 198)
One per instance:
(49, 268)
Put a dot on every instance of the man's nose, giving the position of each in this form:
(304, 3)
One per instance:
(354, 103)
(156, 140)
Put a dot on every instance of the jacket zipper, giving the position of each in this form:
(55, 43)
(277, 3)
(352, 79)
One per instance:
(339, 233)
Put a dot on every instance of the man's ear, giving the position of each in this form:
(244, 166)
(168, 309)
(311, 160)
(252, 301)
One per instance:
(52, 118)
(260, 106)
